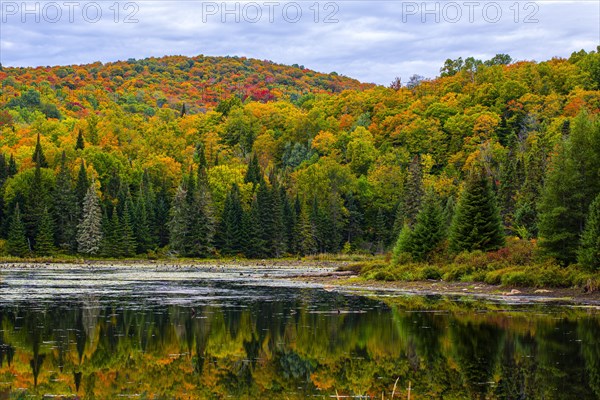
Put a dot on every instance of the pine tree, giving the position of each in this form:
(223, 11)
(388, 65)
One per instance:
(307, 241)
(429, 229)
(12, 166)
(112, 243)
(3, 169)
(16, 243)
(141, 224)
(290, 220)
(278, 242)
(267, 216)
(412, 193)
(230, 225)
(79, 145)
(38, 156)
(65, 207)
(36, 200)
(571, 185)
(178, 222)
(44, 241)
(200, 230)
(89, 230)
(254, 174)
(380, 231)
(589, 250)
(476, 224)
(253, 246)
(403, 245)
(81, 188)
(128, 244)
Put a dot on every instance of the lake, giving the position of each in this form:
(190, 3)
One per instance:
(107, 332)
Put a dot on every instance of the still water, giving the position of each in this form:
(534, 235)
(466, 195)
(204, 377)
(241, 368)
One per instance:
(213, 333)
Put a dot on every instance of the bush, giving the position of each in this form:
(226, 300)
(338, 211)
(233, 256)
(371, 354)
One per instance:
(430, 272)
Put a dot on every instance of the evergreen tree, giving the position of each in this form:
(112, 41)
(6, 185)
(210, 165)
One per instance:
(3, 169)
(253, 245)
(65, 207)
(254, 174)
(141, 224)
(290, 220)
(278, 241)
(200, 230)
(178, 223)
(307, 242)
(380, 232)
(231, 221)
(38, 156)
(403, 245)
(476, 224)
(12, 166)
(44, 241)
(412, 194)
(589, 250)
(112, 243)
(570, 187)
(127, 240)
(16, 243)
(81, 188)
(429, 229)
(89, 230)
(79, 145)
(267, 216)
(37, 199)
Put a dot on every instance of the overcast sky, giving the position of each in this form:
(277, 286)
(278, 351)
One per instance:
(373, 41)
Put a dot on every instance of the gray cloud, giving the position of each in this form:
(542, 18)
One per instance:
(373, 41)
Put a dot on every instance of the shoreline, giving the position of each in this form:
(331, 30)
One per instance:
(334, 275)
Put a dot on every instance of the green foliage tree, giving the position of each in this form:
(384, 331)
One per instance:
(570, 187)
(89, 230)
(65, 207)
(229, 232)
(476, 224)
(16, 243)
(38, 156)
(44, 240)
(589, 250)
(429, 229)
(79, 145)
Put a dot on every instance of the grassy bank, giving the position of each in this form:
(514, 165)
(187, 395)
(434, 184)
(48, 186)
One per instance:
(516, 265)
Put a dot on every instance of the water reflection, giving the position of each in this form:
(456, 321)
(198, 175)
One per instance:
(243, 340)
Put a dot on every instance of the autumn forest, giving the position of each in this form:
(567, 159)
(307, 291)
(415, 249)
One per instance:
(223, 156)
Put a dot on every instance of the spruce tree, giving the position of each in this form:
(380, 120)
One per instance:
(89, 230)
(12, 166)
(141, 224)
(278, 242)
(128, 245)
(254, 174)
(412, 194)
(253, 245)
(230, 225)
(81, 188)
(589, 250)
(200, 230)
(403, 245)
(38, 156)
(37, 199)
(65, 207)
(79, 145)
(3, 169)
(571, 185)
(268, 218)
(380, 232)
(476, 224)
(290, 220)
(429, 229)
(16, 243)
(44, 241)
(307, 240)
(112, 242)
(178, 222)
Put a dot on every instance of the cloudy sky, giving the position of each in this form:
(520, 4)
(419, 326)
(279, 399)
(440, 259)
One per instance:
(373, 41)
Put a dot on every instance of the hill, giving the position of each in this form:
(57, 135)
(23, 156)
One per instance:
(143, 86)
